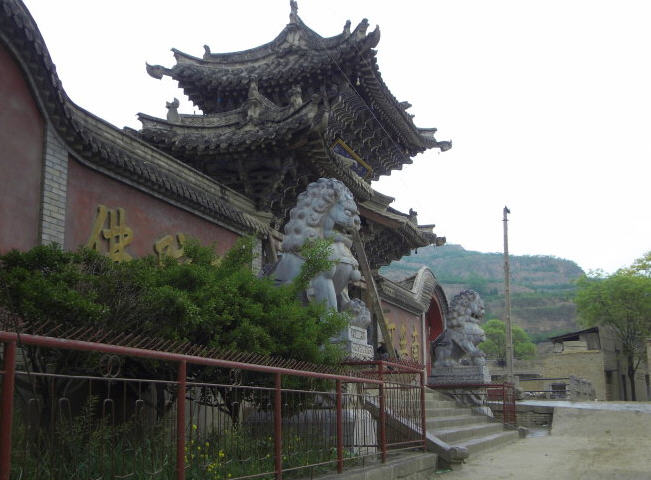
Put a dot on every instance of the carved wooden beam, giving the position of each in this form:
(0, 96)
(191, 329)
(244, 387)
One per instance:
(373, 294)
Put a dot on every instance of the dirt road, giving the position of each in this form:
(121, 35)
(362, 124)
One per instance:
(584, 444)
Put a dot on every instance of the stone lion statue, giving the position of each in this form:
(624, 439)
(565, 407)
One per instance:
(458, 345)
(326, 209)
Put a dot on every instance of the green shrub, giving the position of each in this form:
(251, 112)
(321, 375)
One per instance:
(218, 304)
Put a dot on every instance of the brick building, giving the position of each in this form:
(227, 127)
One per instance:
(595, 355)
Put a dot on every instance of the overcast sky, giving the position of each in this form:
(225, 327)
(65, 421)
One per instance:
(547, 103)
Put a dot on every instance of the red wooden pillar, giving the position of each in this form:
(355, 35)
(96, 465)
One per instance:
(7, 405)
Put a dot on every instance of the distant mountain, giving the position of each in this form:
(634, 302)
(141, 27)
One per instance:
(542, 287)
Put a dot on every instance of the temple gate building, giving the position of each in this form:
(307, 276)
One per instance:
(274, 119)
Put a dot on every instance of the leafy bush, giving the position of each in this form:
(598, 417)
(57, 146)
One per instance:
(218, 304)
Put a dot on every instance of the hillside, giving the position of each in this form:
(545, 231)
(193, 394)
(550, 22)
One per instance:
(541, 286)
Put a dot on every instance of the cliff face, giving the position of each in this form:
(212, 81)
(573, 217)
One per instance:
(542, 287)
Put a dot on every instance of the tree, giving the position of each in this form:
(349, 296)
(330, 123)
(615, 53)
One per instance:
(640, 267)
(622, 303)
(495, 343)
(219, 304)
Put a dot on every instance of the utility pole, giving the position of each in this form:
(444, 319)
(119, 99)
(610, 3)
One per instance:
(507, 301)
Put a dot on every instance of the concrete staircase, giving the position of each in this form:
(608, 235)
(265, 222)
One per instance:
(460, 428)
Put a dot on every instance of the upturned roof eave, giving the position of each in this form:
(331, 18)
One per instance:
(416, 235)
(417, 139)
(310, 40)
(243, 134)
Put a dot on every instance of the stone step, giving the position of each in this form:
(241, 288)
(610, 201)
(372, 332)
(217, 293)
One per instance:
(445, 412)
(435, 394)
(431, 401)
(463, 432)
(437, 423)
(441, 400)
(437, 404)
(478, 444)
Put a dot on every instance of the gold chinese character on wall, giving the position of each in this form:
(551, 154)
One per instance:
(167, 247)
(415, 345)
(403, 341)
(391, 328)
(118, 234)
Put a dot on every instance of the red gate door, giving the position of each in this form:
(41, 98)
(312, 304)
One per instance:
(434, 326)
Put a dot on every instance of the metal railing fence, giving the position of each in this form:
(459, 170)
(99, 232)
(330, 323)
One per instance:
(102, 410)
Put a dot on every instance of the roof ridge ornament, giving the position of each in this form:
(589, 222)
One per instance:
(172, 111)
(347, 28)
(254, 103)
(296, 96)
(362, 28)
(293, 16)
(155, 71)
(253, 87)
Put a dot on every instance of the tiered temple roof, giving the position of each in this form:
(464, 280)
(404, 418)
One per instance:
(281, 115)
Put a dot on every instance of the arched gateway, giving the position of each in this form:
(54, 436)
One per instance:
(417, 303)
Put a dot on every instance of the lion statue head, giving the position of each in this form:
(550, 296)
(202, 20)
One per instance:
(466, 312)
(326, 209)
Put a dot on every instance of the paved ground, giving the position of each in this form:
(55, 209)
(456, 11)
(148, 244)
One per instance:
(619, 406)
(595, 444)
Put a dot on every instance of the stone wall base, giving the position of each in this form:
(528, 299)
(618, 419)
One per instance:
(459, 375)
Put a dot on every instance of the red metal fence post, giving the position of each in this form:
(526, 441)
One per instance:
(340, 430)
(7, 405)
(180, 422)
(423, 413)
(382, 419)
(278, 425)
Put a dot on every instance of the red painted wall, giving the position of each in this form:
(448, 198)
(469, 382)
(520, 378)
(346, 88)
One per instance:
(148, 217)
(21, 159)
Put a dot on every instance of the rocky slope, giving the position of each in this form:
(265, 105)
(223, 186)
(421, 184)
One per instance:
(542, 287)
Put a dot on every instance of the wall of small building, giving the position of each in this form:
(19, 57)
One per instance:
(592, 340)
(587, 364)
(21, 158)
(405, 329)
(641, 386)
(616, 370)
